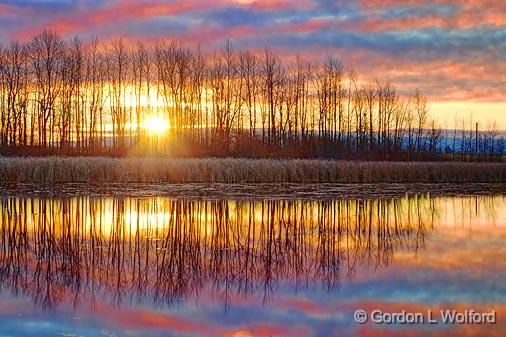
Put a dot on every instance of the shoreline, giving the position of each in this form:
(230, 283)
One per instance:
(260, 192)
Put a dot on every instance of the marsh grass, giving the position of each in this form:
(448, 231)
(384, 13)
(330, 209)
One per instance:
(163, 170)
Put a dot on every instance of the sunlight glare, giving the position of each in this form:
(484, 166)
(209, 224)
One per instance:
(156, 125)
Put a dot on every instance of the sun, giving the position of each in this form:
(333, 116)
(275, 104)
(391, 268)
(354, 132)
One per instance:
(156, 125)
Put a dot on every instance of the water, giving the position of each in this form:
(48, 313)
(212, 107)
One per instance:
(112, 266)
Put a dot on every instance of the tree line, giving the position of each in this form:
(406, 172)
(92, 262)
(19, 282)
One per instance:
(92, 97)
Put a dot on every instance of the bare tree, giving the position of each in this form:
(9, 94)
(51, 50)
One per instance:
(46, 55)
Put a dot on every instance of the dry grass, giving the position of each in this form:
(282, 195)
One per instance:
(160, 170)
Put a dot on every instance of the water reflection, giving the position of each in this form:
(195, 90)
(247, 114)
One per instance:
(160, 253)
(167, 250)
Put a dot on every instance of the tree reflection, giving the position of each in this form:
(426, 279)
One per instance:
(165, 251)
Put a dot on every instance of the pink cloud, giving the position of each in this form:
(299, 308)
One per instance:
(139, 319)
(115, 13)
(126, 10)
(471, 14)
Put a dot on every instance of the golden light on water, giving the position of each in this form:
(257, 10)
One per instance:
(154, 217)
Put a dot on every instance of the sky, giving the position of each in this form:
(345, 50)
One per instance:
(452, 50)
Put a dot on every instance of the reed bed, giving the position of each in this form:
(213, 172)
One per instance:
(95, 170)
